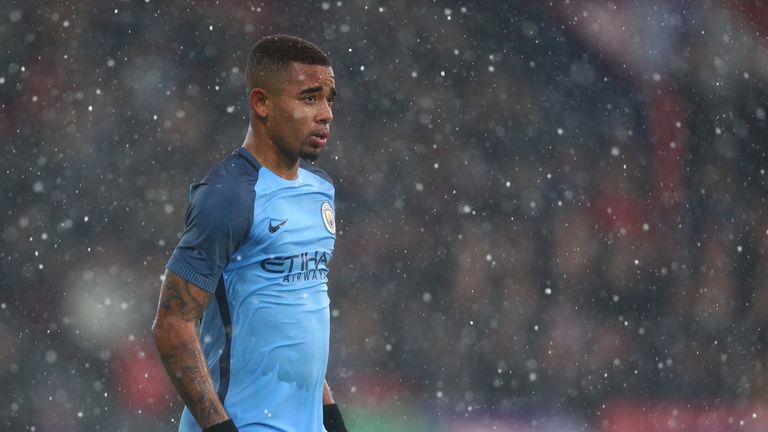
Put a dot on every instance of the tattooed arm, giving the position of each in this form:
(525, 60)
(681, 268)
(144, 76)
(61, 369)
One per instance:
(175, 331)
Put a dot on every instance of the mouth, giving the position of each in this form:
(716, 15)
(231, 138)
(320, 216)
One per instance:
(319, 137)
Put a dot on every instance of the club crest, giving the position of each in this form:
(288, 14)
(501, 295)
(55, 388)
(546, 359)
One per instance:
(328, 219)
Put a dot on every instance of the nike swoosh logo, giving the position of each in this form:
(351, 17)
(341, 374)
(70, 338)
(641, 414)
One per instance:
(274, 228)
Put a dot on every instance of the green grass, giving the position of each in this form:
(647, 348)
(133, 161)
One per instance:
(387, 419)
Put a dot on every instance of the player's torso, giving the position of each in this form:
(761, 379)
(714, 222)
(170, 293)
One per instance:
(276, 289)
(271, 364)
(291, 240)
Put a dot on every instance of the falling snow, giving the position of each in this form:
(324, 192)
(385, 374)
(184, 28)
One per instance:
(551, 215)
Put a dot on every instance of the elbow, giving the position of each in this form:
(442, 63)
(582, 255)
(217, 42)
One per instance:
(157, 329)
(168, 332)
(161, 330)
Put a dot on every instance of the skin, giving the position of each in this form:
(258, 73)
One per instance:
(286, 114)
(290, 120)
(327, 396)
(175, 331)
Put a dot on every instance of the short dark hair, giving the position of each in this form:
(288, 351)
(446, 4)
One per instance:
(273, 54)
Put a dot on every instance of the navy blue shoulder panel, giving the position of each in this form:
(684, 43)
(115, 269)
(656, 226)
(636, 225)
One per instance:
(309, 166)
(218, 220)
(240, 163)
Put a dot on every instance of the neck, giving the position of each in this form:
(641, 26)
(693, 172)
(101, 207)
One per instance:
(266, 152)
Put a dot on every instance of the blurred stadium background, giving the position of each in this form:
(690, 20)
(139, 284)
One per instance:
(552, 213)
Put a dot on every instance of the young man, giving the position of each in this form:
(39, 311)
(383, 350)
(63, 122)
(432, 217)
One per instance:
(251, 267)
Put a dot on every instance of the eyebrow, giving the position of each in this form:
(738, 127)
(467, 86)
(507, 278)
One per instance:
(316, 89)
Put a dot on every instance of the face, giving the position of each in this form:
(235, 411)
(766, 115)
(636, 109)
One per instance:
(299, 113)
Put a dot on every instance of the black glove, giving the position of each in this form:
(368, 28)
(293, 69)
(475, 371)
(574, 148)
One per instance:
(332, 419)
(225, 426)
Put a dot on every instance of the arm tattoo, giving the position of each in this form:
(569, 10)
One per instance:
(181, 306)
(176, 292)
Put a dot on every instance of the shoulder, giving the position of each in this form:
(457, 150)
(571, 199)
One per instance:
(309, 166)
(238, 165)
(228, 187)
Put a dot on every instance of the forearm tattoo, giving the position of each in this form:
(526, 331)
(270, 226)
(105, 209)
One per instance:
(180, 349)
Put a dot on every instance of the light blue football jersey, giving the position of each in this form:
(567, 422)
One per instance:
(262, 244)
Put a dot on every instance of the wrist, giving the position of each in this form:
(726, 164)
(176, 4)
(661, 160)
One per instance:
(225, 426)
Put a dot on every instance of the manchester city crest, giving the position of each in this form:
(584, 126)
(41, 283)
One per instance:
(328, 219)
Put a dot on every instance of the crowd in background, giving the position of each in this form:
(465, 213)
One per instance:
(502, 253)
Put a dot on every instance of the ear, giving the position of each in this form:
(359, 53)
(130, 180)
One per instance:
(259, 101)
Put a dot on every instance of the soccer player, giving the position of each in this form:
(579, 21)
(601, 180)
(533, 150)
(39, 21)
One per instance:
(242, 324)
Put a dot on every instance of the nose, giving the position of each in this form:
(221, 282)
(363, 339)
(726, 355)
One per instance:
(325, 116)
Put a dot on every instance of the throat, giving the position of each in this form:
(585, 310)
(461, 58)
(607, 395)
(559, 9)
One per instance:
(270, 156)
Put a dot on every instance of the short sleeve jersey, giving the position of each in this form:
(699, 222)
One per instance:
(261, 244)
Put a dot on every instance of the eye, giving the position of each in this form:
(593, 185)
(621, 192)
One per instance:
(331, 99)
(311, 98)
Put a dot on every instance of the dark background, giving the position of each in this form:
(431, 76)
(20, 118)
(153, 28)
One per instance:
(551, 214)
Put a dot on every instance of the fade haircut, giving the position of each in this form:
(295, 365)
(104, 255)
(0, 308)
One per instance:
(273, 54)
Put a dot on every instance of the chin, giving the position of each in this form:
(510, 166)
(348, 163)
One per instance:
(310, 155)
